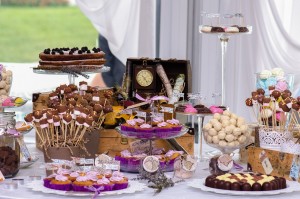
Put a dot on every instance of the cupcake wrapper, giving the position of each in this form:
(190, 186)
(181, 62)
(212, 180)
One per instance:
(63, 187)
(167, 166)
(120, 186)
(108, 187)
(80, 188)
(47, 183)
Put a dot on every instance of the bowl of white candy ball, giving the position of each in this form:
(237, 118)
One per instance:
(226, 132)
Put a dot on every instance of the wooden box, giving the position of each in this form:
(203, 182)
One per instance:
(274, 162)
(111, 142)
(172, 67)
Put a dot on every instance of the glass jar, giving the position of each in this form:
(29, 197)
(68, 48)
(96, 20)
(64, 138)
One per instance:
(9, 147)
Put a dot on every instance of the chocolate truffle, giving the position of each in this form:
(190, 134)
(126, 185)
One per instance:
(235, 186)
(67, 118)
(254, 93)
(246, 187)
(260, 99)
(266, 186)
(227, 185)
(256, 187)
(98, 108)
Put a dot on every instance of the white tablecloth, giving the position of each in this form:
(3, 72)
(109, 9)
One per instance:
(179, 191)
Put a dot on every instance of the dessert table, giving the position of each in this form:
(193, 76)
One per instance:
(181, 190)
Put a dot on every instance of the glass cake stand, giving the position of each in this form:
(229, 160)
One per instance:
(224, 39)
(152, 135)
(73, 73)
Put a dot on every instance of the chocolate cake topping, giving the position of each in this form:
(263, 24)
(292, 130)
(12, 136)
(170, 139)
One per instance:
(67, 118)
(29, 117)
(80, 119)
(56, 118)
(249, 102)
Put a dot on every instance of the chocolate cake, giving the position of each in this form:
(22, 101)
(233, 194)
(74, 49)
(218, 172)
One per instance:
(217, 29)
(75, 58)
(245, 182)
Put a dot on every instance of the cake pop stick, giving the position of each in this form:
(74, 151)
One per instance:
(66, 120)
(87, 123)
(79, 123)
(56, 123)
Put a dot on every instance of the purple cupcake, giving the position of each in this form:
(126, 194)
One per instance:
(119, 181)
(61, 183)
(105, 183)
(145, 131)
(163, 130)
(81, 182)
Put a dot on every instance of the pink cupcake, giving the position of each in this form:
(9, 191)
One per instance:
(175, 125)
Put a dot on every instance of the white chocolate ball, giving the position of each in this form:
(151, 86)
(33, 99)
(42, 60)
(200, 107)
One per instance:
(215, 139)
(221, 135)
(212, 132)
(8, 80)
(236, 143)
(207, 126)
(227, 113)
(217, 126)
(231, 144)
(224, 117)
(217, 116)
(237, 132)
(232, 121)
(234, 116)
(265, 74)
(209, 139)
(244, 128)
(3, 92)
(242, 139)
(7, 87)
(223, 143)
(229, 138)
(212, 121)
(228, 129)
(9, 73)
(2, 84)
(225, 123)
(4, 76)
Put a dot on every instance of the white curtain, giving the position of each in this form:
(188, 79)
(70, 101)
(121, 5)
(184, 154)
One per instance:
(128, 25)
(272, 44)
(130, 30)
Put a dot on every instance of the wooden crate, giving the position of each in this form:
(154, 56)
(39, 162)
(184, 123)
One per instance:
(112, 142)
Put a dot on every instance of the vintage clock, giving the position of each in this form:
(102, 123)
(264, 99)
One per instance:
(144, 78)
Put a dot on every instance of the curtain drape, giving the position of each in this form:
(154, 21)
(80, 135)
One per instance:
(131, 32)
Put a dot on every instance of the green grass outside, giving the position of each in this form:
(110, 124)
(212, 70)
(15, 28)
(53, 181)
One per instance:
(26, 31)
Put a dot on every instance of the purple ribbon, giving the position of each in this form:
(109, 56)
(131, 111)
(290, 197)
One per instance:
(13, 132)
(237, 166)
(152, 98)
(96, 190)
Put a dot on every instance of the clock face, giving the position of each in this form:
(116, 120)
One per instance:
(144, 78)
